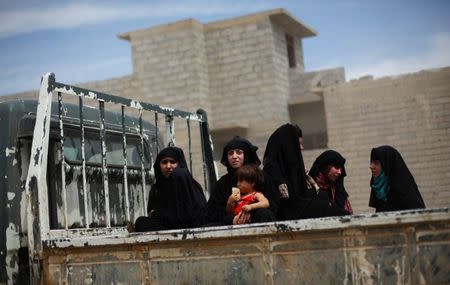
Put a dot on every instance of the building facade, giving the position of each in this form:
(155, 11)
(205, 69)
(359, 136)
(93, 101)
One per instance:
(248, 74)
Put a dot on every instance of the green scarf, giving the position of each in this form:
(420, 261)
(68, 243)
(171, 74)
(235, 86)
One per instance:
(381, 186)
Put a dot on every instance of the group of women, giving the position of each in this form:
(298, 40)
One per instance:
(282, 190)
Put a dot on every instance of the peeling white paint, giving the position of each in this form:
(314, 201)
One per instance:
(399, 270)
(135, 104)
(92, 95)
(167, 109)
(11, 195)
(37, 172)
(9, 151)
(12, 246)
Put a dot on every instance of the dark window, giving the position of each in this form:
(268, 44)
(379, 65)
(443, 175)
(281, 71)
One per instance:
(310, 117)
(290, 44)
(114, 149)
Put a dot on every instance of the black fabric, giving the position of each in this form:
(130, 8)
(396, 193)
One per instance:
(320, 165)
(283, 162)
(218, 199)
(404, 193)
(176, 201)
(216, 208)
(217, 202)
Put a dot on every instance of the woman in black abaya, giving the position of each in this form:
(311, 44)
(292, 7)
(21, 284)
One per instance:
(392, 185)
(176, 200)
(236, 153)
(283, 162)
(328, 171)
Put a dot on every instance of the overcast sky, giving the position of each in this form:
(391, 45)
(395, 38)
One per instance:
(77, 40)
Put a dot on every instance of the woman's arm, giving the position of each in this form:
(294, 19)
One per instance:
(261, 204)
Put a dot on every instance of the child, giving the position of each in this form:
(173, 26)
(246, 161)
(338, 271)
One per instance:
(250, 183)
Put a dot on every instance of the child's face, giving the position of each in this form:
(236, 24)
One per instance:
(245, 186)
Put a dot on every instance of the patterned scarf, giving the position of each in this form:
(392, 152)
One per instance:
(381, 187)
(325, 184)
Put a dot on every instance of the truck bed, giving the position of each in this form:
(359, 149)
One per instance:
(406, 247)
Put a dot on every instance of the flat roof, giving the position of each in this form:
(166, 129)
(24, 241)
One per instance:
(279, 16)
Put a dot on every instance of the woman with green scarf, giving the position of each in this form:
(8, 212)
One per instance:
(393, 186)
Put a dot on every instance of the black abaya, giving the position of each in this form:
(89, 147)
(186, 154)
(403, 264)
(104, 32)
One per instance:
(404, 193)
(283, 162)
(176, 201)
(320, 165)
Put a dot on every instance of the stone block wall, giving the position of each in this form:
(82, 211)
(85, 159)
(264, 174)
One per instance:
(169, 65)
(241, 72)
(249, 83)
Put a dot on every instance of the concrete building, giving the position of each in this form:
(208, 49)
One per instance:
(248, 73)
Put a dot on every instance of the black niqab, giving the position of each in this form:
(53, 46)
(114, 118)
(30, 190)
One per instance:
(404, 193)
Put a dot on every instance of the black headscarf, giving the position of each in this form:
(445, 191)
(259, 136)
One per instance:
(404, 193)
(325, 159)
(173, 152)
(321, 164)
(283, 160)
(178, 199)
(247, 147)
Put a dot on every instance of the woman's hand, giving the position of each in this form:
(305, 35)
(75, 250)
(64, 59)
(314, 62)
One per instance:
(311, 184)
(242, 218)
(284, 192)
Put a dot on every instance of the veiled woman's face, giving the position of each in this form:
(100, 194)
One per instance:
(300, 140)
(334, 173)
(375, 168)
(235, 158)
(167, 165)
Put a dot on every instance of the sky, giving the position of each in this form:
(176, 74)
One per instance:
(77, 40)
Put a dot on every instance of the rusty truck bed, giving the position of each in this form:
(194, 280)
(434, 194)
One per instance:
(408, 247)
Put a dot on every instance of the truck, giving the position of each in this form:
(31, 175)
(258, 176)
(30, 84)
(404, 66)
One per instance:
(73, 178)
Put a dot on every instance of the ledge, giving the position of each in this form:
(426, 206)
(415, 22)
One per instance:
(388, 219)
(229, 126)
(307, 98)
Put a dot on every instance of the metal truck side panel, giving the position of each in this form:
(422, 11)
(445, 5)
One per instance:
(411, 247)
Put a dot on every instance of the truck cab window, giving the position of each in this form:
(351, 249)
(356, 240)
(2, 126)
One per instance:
(114, 150)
